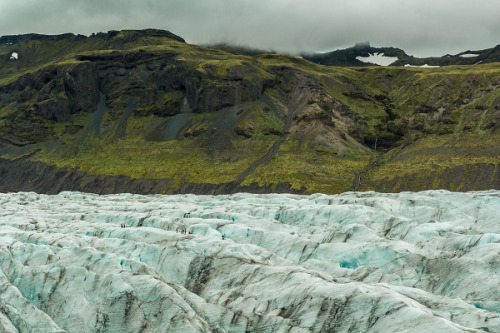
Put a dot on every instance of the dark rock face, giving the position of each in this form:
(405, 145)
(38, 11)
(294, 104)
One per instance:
(58, 109)
(54, 94)
(46, 38)
(131, 35)
(151, 87)
(201, 93)
(71, 91)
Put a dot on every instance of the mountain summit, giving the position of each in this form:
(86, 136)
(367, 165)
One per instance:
(362, 54)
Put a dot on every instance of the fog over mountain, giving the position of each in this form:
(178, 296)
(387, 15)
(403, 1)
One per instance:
(423, 28)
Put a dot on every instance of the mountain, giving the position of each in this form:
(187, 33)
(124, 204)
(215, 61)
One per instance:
(354, 262)
(362, 54)
(142, 111)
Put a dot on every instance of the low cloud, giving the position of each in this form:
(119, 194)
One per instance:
(423, 28)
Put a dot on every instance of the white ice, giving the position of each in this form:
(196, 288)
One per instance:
(378, 59)
(354, 262)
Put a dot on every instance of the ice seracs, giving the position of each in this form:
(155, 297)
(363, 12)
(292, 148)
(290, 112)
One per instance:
(378, 59)
(354, 262)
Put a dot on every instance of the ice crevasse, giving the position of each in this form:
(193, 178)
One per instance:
(353, 262)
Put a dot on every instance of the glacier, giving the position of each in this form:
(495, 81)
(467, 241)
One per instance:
(353, 262)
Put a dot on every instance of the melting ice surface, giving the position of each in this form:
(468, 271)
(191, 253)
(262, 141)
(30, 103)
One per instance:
(354, 262)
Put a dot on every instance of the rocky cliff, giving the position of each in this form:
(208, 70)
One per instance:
(145, 112)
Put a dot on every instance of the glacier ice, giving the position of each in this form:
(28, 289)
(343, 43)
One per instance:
(353, 262)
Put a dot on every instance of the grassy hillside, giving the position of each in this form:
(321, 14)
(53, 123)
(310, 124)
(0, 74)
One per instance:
(145, 104)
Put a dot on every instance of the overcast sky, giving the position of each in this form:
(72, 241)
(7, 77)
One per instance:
(420, 27)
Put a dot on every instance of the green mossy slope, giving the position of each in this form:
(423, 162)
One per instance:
(144, 104)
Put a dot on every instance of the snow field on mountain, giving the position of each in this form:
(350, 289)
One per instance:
(367, 262)
(469, 55)
(378, 59)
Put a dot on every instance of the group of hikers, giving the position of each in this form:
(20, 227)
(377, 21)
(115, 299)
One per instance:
(184, 231)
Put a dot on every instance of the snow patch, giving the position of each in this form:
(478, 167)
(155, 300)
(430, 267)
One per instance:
(14, 56)
(378, 59)
(423, 66)
(469, 55)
